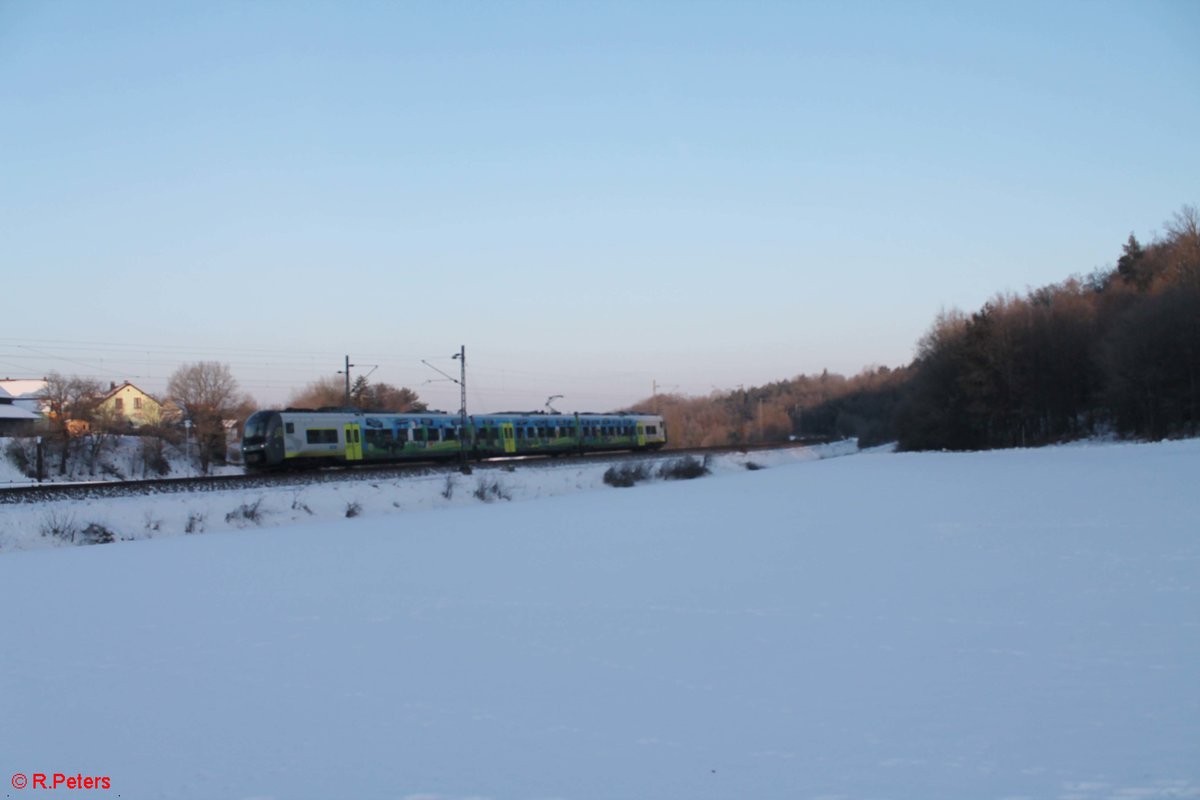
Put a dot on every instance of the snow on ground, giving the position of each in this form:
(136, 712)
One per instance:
(155, 516)
(1006, 624)
(119, 458)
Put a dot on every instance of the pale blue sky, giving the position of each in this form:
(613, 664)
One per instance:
(589, 196)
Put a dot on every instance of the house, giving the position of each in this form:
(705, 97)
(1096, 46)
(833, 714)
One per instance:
(15, 420)
(130, 403)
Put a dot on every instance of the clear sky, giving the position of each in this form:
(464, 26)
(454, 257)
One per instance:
(591, 196)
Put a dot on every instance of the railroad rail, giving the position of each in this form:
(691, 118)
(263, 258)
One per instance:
(52, 492)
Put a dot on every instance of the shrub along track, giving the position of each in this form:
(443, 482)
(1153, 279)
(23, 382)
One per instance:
(52, 492)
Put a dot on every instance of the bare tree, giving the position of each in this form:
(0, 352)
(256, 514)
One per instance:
(70, 403)
(208, 394)
(323, 392)
(106, 426)
(385, 397)
(1183, 237)
(331, 391)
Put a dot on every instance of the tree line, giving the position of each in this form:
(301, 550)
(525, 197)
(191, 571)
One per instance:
(1117, 351)
(806, 407)
(1114, 351)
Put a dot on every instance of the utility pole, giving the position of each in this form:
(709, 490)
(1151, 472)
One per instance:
(460, 356)
(654, 387)
(462, 409)
(346, 372)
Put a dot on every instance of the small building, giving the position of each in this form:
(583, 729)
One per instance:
(130, 403)
(26, 393)
(15, 420)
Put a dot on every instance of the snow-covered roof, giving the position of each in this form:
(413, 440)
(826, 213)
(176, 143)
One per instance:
(23, 387)
(4, 393)
(9, 411)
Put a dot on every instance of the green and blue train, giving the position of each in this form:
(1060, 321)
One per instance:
(296, 437)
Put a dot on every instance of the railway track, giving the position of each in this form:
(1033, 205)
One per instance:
(52, 492)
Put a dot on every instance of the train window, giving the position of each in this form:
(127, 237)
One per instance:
(450, 434)
(291, 427)
(651, 430)
(418, 434)
(321, 436)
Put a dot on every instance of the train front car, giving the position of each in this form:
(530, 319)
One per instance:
(651, 432)
(262, 440)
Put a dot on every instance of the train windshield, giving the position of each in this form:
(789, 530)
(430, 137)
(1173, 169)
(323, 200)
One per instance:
(256, 426)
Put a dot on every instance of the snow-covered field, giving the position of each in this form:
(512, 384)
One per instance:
(1000, 625)
(63, 524)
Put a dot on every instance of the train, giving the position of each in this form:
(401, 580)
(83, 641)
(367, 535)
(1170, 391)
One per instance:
(300, 437)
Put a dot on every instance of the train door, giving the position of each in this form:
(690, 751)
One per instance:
(353, 443)
(641, 434)
(506, 433)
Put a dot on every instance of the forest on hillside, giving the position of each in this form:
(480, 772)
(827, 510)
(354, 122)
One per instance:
(1116, 351)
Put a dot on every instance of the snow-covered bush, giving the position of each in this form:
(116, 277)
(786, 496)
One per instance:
(21, 452)
(247, 512)
(487, 491)
(683, 469)
(626, 475)
(60, 524)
